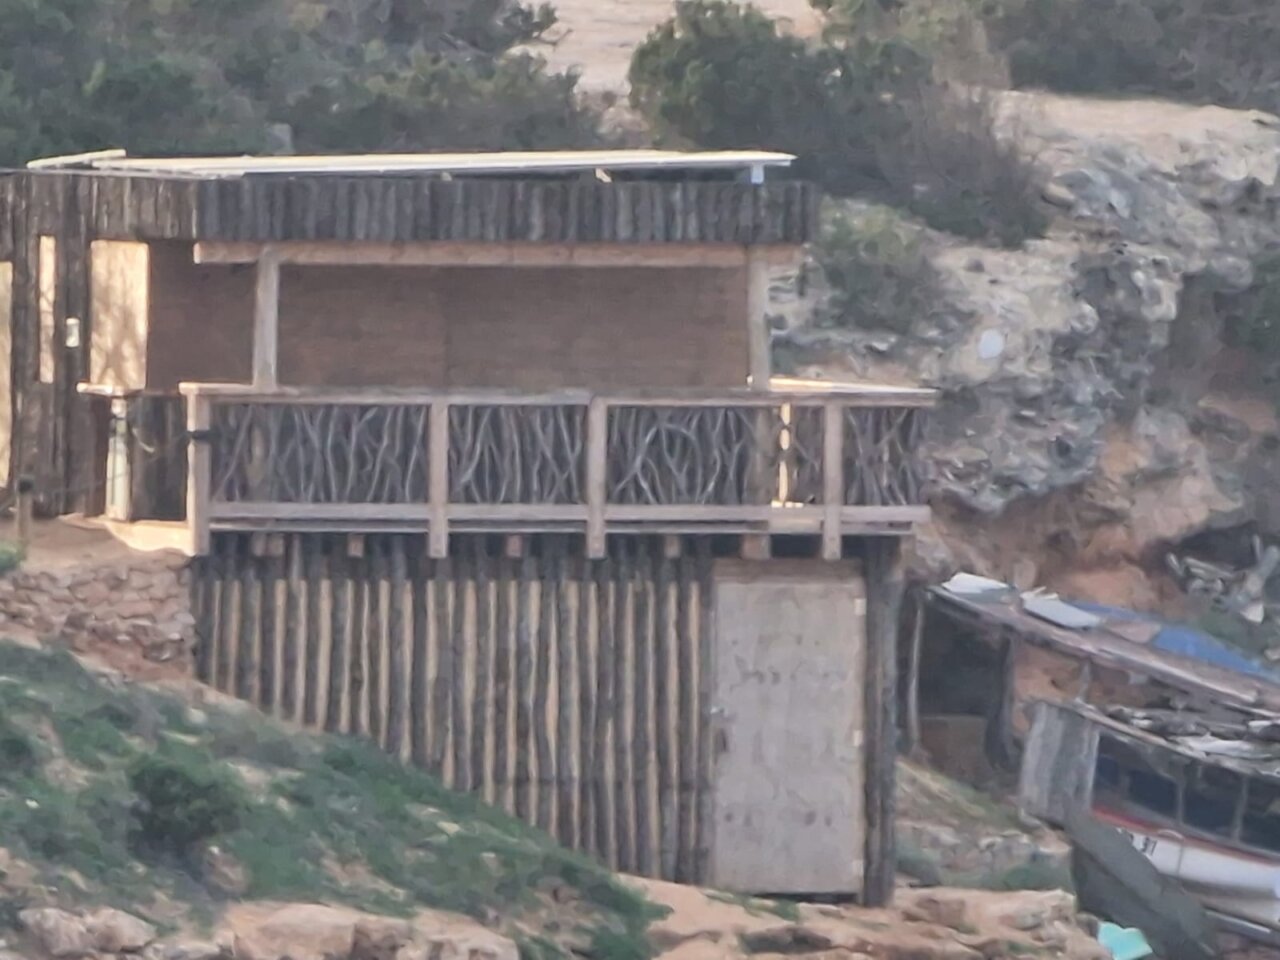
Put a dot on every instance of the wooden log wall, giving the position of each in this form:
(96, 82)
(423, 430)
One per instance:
(390, 209)
(53, 429)
(572, 693)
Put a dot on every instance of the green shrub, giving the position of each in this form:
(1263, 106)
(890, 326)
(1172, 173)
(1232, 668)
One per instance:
(949, 167)
(1252, 318)
(18, 755)
(861, 111)
(184, 801)
(878, 270)
(11, 557)
(1217, 50)
(719, 74)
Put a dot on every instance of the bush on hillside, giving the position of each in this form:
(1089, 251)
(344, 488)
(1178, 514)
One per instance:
(877, 269)
(183, 802)
(1252, 318)
(949, 167)
(861, 111)
(1217, 50)
(719, 74)
(187, 76)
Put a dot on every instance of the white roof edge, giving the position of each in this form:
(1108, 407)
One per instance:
(462, 163)
(77, 159)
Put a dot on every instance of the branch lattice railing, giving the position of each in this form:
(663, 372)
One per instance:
(597, 462)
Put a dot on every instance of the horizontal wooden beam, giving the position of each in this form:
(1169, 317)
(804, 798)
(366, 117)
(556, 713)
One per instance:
(789, 517)
(472, 254)
(846, 395)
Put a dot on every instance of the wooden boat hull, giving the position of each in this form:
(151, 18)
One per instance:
(1228, 881)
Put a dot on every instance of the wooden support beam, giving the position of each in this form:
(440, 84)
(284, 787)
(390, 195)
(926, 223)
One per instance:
(758, 338)
(497, 254)
(199, 473)
(438, 480)
(266, 320)
(597, 476)
(884, 573)
(833, 485)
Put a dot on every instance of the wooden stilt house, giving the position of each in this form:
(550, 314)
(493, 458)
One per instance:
(481, 456)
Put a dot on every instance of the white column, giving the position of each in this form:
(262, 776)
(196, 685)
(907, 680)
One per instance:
(761, 364)
(266, 320)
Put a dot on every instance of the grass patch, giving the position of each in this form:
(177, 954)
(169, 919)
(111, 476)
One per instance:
(783, 909)
(309, 818)
(11, 556)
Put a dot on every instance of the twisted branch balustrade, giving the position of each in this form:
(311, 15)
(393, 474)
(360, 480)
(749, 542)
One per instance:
(880, 467)
(517, 454)
(319, 453)
(722, 456)
(748, 452)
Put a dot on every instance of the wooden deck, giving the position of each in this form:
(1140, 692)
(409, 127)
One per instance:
(799, 459)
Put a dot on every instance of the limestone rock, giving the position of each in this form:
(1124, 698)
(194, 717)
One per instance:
(944, 910)
(114, 931)
(224, 872)
(449, 935)
(193, 950)
(299, 932)
(1092, 364)
(313, 932)
(58, 933)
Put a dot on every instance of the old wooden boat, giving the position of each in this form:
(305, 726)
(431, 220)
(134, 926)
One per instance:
(1199, 798)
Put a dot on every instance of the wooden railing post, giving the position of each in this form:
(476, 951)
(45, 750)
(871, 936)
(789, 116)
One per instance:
(199, 471)
(832, 479)
(438, 478)
(597, 475)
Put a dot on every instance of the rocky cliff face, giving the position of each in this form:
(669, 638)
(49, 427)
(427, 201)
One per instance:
(1093, 413)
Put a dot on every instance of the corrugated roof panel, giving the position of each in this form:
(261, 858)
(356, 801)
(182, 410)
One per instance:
(546, 161)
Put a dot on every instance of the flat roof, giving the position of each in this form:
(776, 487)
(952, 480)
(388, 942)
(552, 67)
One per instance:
(541, 161)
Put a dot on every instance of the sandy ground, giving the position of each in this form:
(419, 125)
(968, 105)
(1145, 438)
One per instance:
(597, 36)
(74, 541)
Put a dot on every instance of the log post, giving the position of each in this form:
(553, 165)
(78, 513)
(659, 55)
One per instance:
(199, 470)
(760, 371)
(758, 348)
(438, 479)
(597, 476)
(833, 485)
(884, 572)
(266, 320)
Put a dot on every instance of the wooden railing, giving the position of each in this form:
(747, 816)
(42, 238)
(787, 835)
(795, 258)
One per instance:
(799, 461)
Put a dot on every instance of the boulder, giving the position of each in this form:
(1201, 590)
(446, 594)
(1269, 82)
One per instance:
(191, 950)
(313, 932)
(57, 932)
(114, 931)
(298, 932)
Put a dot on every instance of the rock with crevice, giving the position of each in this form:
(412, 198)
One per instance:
(1091, 367)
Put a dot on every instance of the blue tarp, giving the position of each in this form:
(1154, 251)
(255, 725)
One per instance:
(1186, 641)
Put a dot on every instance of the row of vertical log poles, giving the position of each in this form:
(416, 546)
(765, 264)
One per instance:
(571, 692)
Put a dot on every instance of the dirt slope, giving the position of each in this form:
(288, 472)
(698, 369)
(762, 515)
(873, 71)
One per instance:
(597, 36)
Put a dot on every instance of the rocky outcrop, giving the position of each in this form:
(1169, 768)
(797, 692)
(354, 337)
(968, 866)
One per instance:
(61, 934)
(258, 931)
(923, 925)
(1088, 395)
(313, 932)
